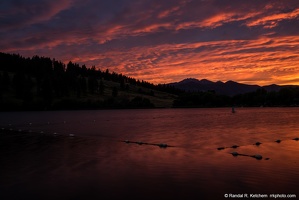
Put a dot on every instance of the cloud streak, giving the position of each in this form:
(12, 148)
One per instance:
(252, 42)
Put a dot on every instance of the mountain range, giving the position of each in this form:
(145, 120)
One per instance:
(229, 88)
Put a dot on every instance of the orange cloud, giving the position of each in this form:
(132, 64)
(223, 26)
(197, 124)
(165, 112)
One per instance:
(239, 60)
(226, 17)
(161, 43)
(271, 21)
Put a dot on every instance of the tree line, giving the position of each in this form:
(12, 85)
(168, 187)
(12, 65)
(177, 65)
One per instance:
(36, 82)
(285, 97)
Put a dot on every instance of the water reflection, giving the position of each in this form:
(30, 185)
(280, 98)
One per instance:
(97, 163)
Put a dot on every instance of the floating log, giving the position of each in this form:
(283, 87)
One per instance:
(235, 153)
(257, 143)
(161, 145)
(256, 156)
(234, 147)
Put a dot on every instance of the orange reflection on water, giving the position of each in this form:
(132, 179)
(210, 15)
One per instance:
(97, 162)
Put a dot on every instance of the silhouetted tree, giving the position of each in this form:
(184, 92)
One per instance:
(122, 84)
(84, 71)
(101, 87)
(58, 67)
(1, 87)
(47, 92)
(83, 85)
(5, 80)
(92, 84)
(114, 92)
(18, 83)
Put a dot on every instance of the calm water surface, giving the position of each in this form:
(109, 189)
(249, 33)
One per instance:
(35, 163)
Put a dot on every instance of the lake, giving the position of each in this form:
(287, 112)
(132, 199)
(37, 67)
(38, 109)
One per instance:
(115, 154)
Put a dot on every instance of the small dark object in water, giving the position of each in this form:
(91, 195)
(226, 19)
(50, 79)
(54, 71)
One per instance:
(257, 156)
(258, 143)
(296, 139)
(267, 158)
(233, 110)
(234, 146)
(221, 148)
(278, 141)
(162, 145)
(235, 153)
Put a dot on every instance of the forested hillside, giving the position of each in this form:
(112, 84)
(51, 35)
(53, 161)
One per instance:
(41, 83)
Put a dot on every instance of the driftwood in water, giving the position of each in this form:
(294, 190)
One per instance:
(256, 156)
(161, 145)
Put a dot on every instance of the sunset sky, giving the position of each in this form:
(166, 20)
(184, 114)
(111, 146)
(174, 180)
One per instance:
(161, 41)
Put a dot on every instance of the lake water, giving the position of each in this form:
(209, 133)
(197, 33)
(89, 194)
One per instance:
(39, 160)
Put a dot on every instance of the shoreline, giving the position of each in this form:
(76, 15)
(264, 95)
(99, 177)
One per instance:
(155, 108)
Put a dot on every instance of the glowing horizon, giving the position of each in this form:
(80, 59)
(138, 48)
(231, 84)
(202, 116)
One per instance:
(254, 42)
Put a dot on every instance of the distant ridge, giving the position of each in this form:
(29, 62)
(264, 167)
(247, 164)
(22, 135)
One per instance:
(229, 88)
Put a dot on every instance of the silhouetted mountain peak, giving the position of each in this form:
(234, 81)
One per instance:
(231, 82)
(189, 80)
(228, 88)
(272, 87)
(195, 81)
(205, 82)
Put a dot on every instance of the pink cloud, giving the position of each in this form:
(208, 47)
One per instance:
(270, 21)
(226, 60)
(163, 41)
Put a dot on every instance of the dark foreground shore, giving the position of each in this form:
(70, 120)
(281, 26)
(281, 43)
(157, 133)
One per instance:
(45, 166)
